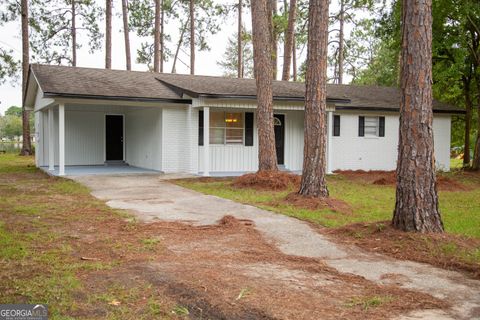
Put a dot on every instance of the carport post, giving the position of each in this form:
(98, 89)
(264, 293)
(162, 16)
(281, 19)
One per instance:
(206, 141)
(61, 139)
(330, 142)
(51, 140)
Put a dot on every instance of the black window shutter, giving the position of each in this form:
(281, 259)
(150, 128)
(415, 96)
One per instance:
(200, 127)
(249, 129)
(381, 127)
(361, 126)
(336, 126)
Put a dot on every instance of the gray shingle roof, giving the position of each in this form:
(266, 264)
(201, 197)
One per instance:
(102, 83)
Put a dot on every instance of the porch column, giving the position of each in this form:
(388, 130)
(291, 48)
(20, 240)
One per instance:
(330, 142)
(61, 139)
(206, 141)
(51, 140)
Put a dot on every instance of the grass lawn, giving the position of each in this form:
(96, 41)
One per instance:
(46, 225)
(367, 223)
(61, 246)
(369, 202)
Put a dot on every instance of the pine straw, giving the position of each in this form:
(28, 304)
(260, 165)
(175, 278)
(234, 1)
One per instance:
(314, 203)
(389, 178)
(447, 251)
(268, 180)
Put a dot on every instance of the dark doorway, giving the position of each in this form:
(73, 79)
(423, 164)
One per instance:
(279, 127)
(114, 137)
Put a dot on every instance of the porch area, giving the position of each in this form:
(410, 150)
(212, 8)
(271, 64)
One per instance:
(76, 171)
(91, 138)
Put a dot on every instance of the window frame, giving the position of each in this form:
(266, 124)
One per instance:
(225, 128)
(334, 126)
(379, 127)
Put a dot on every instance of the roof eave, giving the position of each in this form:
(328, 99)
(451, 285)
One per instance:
(364, 108)
(118, 98)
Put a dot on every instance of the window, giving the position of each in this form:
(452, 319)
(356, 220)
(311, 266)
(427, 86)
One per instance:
(226, 127)
(336, 126)
(371, 126)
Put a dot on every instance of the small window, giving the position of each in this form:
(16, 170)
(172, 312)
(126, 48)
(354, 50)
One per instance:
(336, 126)
(371, 126)
(200, 127)
(226, 127)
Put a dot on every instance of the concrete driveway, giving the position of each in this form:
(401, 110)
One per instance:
(152, 197)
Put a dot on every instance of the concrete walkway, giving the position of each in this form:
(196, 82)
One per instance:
(152, 197)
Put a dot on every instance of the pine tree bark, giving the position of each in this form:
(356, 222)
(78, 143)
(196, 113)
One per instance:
(156, 38)
(288, 45)
(272, 11)
(240, 46)
(74, 34)
(294, 58)
(468, 120)
(126, 34)
(341, 42)
(314, 155)
(26, 144)
(108, 34)
(476, 154)
(192, 37)
(162, 28)
(262, 62)
(416, 207)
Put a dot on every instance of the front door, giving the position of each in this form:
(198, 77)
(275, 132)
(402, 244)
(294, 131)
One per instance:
(114, 137)
(279, 126)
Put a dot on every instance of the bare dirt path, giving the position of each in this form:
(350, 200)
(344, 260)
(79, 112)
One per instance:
(152, 198)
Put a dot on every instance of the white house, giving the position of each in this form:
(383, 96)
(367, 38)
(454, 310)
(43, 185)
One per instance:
(205, 125)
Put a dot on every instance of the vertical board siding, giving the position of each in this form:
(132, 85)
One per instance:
(84, 136)
(240, 158)
(143, 138)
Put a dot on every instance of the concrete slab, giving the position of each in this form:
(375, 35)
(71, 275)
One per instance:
(73, 171)
(152, 197)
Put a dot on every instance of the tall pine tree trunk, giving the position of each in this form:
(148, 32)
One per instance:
(288, 45)
(192, 37)
(26, 144)
(468, 120)
(262, 63)
(314, 154)
(416, 207)
(240, 46)
(341, 42)
(126, 34)
(179, 45)
(271, 12)
(108, 34)
(156, 36)
(476, 156)
(74, 34)
(162, 26)
(294, 58)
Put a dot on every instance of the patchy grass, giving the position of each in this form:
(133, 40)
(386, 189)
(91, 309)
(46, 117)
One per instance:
(367, 223)
(366, 303)
(41, 228)
(61, 246)
(369, 202)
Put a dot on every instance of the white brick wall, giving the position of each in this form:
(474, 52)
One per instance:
(351, 152)
(180, 139)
